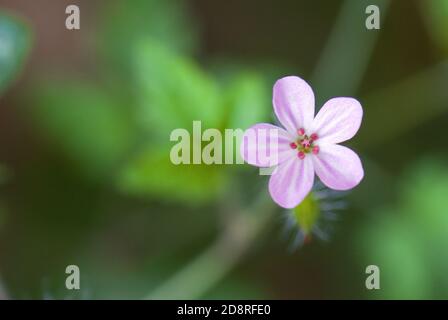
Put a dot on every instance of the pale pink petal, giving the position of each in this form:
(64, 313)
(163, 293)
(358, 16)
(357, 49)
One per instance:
(338, 167)
(265, 145)
(291, 182)
(338, 120)
(293, 101)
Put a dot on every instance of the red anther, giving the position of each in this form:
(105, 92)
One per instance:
(301, 131)
(301, 155)
(316, 149)
(293, 145)
(314, 137)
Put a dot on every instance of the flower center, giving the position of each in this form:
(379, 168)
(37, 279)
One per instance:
(305, 144)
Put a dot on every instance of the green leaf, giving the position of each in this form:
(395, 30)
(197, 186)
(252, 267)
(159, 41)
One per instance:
(87, 124)
(123, 24)
(408, 240)
(15, 42)
(249, 99)
(247, 102)
(392, 245)
(424, 198)
(436, 17)
(152, 173)
(174, 92)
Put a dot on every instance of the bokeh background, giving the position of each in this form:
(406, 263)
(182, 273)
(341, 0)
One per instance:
(85, 176)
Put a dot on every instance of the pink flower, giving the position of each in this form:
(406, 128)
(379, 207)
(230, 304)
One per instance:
(307, 144)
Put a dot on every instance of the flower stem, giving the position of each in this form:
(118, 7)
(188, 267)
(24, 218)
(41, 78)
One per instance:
(206, 270)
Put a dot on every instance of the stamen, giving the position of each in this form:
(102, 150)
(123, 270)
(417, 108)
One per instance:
(316, 149)
(293, 145)
(314, 137)
(301, 131)
(301, 155)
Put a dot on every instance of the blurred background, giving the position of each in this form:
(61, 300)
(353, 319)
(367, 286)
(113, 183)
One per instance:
(85, 176)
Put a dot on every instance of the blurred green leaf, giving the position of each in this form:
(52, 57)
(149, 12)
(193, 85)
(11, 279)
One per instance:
(249, 99)
(174, 92)
(392, 245)
(408, 241)
(153, 173)
(436, 16)
(247, 102)
(424, 197)
(125, 23)
(89, 126)
(15, 41)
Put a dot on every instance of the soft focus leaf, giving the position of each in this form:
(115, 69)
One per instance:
(87, 124)
(436, 16)
(152, 173)
(249, 100)
(14, 46)
(393, 246)
(125, 23)
(408, 241)
(424, 197)
(173, 92)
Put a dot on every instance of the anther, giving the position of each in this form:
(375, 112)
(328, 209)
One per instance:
(301, 155)
(314, 137)
(293, 145)
(315, 149)
(301, 131)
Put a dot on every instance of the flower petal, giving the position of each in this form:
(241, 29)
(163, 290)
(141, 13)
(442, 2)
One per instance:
(291, 182)
(293, 101)
(338, 167)
(266, 145)
(338, 120)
